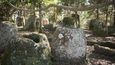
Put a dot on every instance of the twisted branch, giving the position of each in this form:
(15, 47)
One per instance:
(81, 8)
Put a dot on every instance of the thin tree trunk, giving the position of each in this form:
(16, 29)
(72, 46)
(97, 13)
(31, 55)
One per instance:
(77, 19)
(111, 17)
(23, 14)
(97, 16)
(35, 26)
(40, 18)
(106, 15)
(114, 17)
(114, 13)
(107, 19)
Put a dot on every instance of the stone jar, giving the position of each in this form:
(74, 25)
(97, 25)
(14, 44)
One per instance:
(69, 46)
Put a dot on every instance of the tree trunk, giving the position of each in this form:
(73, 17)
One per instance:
(97, 16)
(69, 46)
(106, 15)
(114, 17)
(40, 18)
(111, 17)
(35, 26)
(114, 13)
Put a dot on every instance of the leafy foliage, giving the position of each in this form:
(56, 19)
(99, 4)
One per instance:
(73, 2)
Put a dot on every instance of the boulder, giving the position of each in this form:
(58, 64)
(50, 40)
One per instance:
(69, 46)
(7, 32)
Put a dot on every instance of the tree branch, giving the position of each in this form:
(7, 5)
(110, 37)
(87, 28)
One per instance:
(18, 7)
(81, 8)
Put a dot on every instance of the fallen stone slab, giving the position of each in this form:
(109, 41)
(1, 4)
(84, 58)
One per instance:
(104, 50)
(102, 43)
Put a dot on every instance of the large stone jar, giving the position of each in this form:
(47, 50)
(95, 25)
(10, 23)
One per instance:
(69, 46)
(16, 50)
